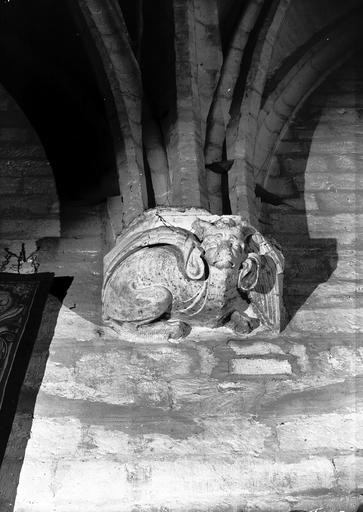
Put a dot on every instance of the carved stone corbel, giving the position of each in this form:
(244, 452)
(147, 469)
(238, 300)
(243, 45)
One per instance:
(173, 269)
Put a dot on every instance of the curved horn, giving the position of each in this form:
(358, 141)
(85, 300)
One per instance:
(199, 226)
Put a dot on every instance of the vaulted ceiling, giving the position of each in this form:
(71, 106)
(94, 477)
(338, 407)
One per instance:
(139, 97)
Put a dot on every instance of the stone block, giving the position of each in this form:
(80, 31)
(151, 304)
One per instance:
(25, 167)
(53, 438)
(94, 485)
(324, 226)
(256, 348)
(29, 229)
(9, 151)
(321, 262)
(334, 432)
(40, 185)
(15, 134)
(334, 182)
(338, 293)
(349, 471)
(11, 185)
(328, 320)
(27, 206)
(259, 366)
(191, 484)
(36, 486)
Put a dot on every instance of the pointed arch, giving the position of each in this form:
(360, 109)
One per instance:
(106, 33)
(29, 205)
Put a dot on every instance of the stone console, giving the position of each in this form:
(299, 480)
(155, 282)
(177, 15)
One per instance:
(174, 269)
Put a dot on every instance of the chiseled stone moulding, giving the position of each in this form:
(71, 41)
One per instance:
(174, 268)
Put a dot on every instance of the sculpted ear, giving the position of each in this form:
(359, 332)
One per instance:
(249, 273)
(199, 227)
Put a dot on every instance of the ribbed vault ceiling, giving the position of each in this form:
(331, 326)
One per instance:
(87, 73)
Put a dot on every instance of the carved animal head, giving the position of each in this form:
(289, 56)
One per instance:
(222, 241)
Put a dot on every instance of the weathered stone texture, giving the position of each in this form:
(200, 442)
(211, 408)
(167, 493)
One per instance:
(198, 269)
(29, 206)
(322, 154)
(268, 423)
(302, 23)
(176, 427)
(107, 26)
(185, 148)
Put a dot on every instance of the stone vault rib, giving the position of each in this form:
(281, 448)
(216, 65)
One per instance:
(242, 128)
(107, 27)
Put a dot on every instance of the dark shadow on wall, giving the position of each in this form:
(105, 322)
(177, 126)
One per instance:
(19, 409)
(45, 66)
(308, 261)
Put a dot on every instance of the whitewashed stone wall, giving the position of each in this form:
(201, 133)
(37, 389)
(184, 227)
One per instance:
(217, 424)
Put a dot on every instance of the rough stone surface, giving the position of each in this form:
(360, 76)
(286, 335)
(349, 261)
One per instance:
(256, 366)
(29, 206)
(255, 349)
(107, 26)
(107, 425)
(207, 275)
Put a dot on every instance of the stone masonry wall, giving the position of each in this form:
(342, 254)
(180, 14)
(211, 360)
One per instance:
(29, 206)
(321, 230)
(212, 424)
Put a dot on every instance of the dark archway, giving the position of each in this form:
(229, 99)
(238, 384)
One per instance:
(45, 67)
